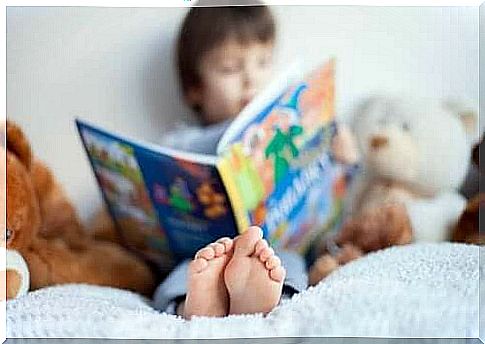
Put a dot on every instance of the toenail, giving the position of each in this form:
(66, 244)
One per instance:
(276, 261)
(260, 231)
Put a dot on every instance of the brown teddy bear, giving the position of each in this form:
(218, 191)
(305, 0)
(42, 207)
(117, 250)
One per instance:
(43, 228)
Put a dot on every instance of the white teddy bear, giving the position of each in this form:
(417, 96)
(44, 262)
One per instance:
(415, 156)
(423, 148)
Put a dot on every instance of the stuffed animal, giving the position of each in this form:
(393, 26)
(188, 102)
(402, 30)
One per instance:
(415, 157)
(17, 274)
(467, 229)
(43, 230)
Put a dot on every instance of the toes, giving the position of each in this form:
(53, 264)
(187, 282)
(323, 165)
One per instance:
(198, 265)
(278, 274)
(273, 262)
(260, 246)
(215, 249)
(207, 253)
(227, 242)
(246, 242)
(266, 254)
(219, 249)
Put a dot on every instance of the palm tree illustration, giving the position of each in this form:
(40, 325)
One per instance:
(278, 147)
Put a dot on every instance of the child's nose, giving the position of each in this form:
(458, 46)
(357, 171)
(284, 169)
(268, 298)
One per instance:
(253, 81)
(249, 78)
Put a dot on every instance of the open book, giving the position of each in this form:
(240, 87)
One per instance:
(273, 168)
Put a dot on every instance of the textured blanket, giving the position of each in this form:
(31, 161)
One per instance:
(425, 290)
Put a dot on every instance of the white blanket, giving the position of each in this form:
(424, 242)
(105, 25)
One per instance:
(425, 290)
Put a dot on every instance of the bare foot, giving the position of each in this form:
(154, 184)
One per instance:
(254, 276)
(207, 294)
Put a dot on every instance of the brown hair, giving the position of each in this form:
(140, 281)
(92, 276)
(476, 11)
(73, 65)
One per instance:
(204, 28)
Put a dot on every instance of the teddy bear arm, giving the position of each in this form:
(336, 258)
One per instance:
(433, 219)
(59, 217)
(54, 262)
(362, 231)
(40, 273)
(103, 228)
(377, 228)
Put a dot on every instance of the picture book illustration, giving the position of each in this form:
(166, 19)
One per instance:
(274, 168)
(164, 204)
(282, 166)
(122, 184)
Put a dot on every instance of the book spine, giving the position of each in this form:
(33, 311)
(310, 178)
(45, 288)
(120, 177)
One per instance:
(241, 216)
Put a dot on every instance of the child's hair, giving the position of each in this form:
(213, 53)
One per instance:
(204, 28)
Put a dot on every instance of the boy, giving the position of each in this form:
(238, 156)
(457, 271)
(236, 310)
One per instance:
(225, 56)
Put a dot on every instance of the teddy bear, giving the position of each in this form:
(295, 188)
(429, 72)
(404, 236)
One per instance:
(415, 154)
(46, 243)
(467, 228)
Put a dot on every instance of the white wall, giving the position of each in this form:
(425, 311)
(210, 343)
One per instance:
(114, 66)
(482, 63)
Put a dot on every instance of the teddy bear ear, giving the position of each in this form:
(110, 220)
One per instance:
(361, 109)
(467, 114)
(17, 144)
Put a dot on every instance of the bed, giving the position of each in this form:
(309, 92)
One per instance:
(418, 290)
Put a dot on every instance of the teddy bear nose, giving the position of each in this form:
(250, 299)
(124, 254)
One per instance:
(378, 141)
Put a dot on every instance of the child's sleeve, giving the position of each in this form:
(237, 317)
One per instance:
(177, 138)
(195, 139)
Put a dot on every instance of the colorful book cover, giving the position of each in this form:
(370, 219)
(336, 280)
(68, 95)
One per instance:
(273, 168)
(166, 205)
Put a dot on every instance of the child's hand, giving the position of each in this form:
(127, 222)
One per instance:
(344, 147)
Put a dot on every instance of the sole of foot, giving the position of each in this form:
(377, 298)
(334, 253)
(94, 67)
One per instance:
(207, 294)
(254, 275)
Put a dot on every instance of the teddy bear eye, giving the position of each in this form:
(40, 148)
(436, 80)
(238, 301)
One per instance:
(8, 234)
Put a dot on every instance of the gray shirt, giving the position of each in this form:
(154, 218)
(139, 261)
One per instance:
(196, 139)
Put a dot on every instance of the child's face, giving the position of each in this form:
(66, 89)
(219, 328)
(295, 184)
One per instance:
(231, 75)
